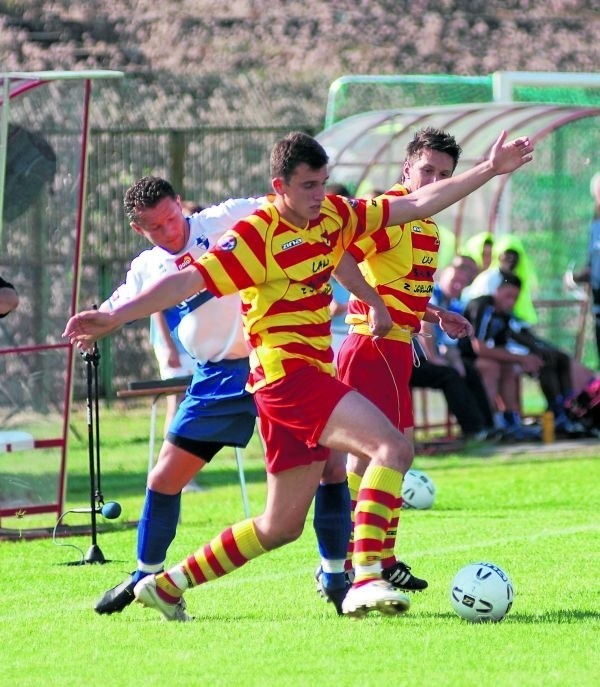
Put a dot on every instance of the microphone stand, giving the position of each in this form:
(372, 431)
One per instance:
(94, 553)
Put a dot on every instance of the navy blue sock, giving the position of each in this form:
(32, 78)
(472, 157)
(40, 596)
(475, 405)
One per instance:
(156, 528)
(332, 525)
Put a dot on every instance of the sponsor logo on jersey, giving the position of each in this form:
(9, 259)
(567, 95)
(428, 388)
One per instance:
(184, 261)
(326, 240)
(291, 244)
(202, 241)
(227, 243)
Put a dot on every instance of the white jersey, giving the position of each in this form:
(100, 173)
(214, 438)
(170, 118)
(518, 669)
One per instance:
(210, 329)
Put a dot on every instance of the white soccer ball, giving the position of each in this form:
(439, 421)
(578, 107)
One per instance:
(418, 491)
(482, 592)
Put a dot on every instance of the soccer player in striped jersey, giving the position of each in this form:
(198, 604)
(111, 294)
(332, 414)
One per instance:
(216, 410)
(280, 260)
(399, 262)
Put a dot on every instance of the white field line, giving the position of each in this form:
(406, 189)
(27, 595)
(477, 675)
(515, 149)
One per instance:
(542, 534)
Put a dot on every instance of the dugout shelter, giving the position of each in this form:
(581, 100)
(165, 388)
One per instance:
(370, 120)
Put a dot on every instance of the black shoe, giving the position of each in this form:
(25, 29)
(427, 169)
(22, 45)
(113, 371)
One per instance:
(399, 576)
(117, 598)
(569, 429)
(334, 596)
(519, 433)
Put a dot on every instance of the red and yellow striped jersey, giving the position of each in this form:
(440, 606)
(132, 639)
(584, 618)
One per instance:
(282, 273)
(399, 262)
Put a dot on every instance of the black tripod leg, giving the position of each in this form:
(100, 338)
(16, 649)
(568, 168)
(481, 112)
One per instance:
(98, 494)
(90, 428)
(94, 554)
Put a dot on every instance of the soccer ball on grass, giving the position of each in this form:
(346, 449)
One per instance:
(418, 491)
(482, 592)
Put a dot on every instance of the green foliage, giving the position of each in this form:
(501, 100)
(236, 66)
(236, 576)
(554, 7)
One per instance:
(534, 515)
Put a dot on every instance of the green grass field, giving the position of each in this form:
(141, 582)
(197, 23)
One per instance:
(534, 515)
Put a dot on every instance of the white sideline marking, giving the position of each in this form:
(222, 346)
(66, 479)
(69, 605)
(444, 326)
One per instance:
(543, 534)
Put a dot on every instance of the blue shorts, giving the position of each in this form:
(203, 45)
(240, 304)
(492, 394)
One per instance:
(216, 410)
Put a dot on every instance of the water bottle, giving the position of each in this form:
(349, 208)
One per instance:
(548, 427)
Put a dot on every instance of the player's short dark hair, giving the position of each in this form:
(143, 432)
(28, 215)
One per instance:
(434, 139)
(147, 192)
(509, 279)
(293, 150)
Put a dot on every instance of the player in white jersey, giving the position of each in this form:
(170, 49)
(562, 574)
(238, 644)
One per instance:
(216, 410)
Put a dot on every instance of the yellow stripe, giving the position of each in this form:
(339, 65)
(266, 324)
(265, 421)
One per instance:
(396, 333)
(247, 540)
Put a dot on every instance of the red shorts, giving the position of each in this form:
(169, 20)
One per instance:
(292, 413)
(379, 369)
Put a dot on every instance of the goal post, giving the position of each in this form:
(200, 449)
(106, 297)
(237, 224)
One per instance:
(44, 122)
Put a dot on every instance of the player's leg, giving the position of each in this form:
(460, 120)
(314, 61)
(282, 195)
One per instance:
(381, 370)
(395, 571)
(332, 525)
(289, 495)
(158, 520)
(292, 412)
(216, 412)
(357, 426)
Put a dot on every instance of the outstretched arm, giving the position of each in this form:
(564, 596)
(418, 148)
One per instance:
(432, 198)
(89, 325)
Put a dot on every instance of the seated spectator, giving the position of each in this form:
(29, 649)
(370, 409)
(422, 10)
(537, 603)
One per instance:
(508, 255)
(498, 337)
(468, 264)
(500, 367)
(441, 366)
(9, 299)
(479, 247)
(556, 377)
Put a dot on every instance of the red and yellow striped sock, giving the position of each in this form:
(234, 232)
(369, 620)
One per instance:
(354, 480)
(230, 550)
(377, 499)
(388, 555)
